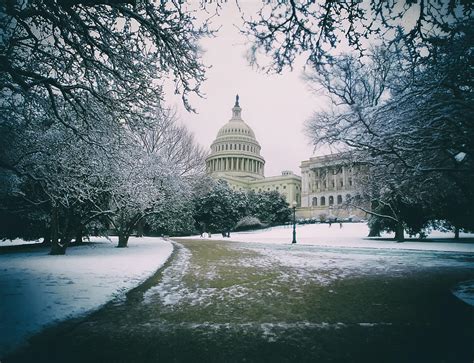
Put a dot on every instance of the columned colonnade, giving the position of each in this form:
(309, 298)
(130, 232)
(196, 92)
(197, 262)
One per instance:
(235, 164)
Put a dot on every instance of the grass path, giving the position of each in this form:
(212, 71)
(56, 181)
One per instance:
(217, 301)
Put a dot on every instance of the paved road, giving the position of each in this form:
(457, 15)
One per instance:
(232, 302)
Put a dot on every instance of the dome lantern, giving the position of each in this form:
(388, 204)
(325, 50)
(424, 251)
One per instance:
(236, 110)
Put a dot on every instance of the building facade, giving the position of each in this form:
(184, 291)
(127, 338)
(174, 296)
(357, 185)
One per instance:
(328, 183)
(235, 157)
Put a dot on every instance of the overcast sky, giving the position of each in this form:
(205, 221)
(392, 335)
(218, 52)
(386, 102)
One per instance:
(275, 107)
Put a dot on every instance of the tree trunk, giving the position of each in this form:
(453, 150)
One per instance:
(79, 235)
(400, 233)
(140, 228)
(123, 240)
(456, 232)
(56, 247)
(374, 232)
(47, 239)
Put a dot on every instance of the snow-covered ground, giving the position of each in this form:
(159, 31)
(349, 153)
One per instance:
(339, 241)
(351, 235)
(19, 241)
(37, 289)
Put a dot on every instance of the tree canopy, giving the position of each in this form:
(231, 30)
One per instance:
(410, 121)
(285, 29)
(116, 52)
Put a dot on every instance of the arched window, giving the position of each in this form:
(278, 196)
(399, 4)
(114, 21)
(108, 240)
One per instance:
(323, 200)
(339, 199)
(226, 147)
(240, 147)
(315, 202)
(331, 200)
(230, 146)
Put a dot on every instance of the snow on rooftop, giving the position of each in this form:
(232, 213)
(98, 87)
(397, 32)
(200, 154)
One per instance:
(37, 289)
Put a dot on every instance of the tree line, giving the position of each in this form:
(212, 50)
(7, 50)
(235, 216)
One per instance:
(123, 178)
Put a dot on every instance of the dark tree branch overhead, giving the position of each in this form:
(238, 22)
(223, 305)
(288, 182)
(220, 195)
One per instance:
(118, 52)
(408, 119)
(285, 29)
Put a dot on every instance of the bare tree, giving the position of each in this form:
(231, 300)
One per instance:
(284, 29)
(409, 121)
(117, 53)
(164, 136)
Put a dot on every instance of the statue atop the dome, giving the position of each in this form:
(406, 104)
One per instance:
(237, 101)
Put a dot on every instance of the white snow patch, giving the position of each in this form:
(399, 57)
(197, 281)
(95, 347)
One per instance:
(19, 241)
(37, 289)
(173, 291)
(460, 156)
(465, 292)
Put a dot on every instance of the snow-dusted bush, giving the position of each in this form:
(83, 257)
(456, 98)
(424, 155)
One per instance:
(249, 222)
(323, 217)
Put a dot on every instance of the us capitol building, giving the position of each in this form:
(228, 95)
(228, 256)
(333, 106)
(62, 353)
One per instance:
(323, 188)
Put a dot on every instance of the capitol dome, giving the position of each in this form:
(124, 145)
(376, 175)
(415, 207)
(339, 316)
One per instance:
(235, 151)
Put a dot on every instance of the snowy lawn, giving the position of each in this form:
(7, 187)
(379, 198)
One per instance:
(219, 301)
(352, 235)
(37, 289)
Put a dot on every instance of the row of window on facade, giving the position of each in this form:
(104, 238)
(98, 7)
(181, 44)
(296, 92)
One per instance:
(332, 183)
(235, 147)
(322, 200)
(322, 172)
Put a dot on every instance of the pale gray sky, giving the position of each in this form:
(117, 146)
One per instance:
(275, 106)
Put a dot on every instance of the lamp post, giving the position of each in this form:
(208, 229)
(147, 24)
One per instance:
(294, 221)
